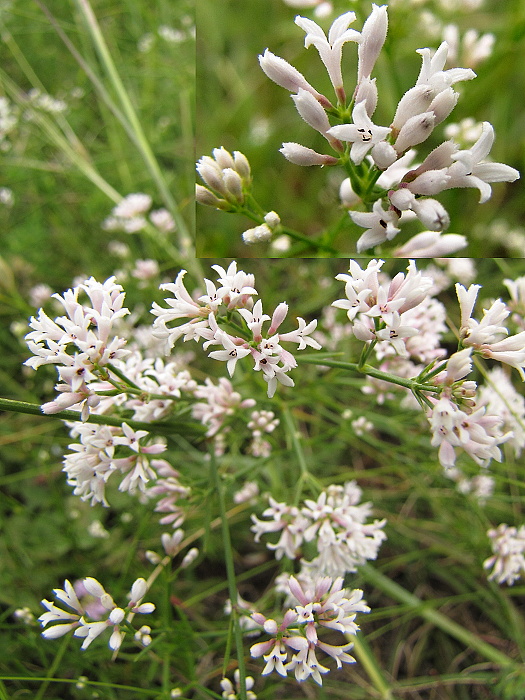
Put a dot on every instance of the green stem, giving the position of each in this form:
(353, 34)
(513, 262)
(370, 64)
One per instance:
(230, 572)
(411, 384)
(181, 427)
(369, 663)
(397, 592)
(123, 377)
(140, 138)
(52, 670)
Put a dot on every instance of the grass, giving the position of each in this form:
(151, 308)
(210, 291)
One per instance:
(437, 629)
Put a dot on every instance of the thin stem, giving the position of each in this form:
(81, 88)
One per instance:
(181, 427)
(140, 139)
(369, 663)
(230, 572)
(411, 384)
(52, 669)
(123, 377)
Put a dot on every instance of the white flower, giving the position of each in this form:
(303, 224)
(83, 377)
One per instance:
(301, 335)
(469, 170)
(508, 560)
(380, 225)
(432, 72)
(331, 48)
(231, 352)
(363, 133)
(395, 333)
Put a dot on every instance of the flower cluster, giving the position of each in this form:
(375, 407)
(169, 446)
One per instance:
(488, 336)
(129, 215)
(103, 373)
(82, 343)
(293, 644)
(234, 293)
(229, 692)
(456, 420)
(508, 560)
(378, 311)
(227, 178)
(378, 159)
(335, 523)
(68, 621)
(94, 460)
(401, 321)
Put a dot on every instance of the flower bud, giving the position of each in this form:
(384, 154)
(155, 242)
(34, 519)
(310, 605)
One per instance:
(259, 234)
(212, 176)
(311, 111)
(443, 104)
(233, 183)
(116, 616)
(242, 166)
(430, 182)
(347, 195)
(431, 244)
(272, 219)
(249, 236)
(278, 317)
(205, 196)
(440, 157)
(414, 101)
(402, 199)
(190, 557)
(432, 214)
(301, 155)
(366, 91)
(373, 37)
(414, 131)
(362, 332)
(288, 77)
(383, 155)
(223, 158)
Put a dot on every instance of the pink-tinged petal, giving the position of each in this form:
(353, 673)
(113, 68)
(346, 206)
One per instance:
(261, 648)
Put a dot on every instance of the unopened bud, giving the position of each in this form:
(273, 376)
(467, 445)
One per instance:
(242, 166)
(431, 244)
(402, 199)
(443, 104)
(415, 131)
(278, 317)
(373, 37)
(223, 158)
(212, 176)
(288, 77)
(414, 101)
(272, 219)
(440, 157)
(432, 214)
(205, 196)
(259, 234)
(383, 154)
(233, 182)
(430, 182)
(311, 111)
(189, 558)
(347, 195)
(366, 92)
(301, 155)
